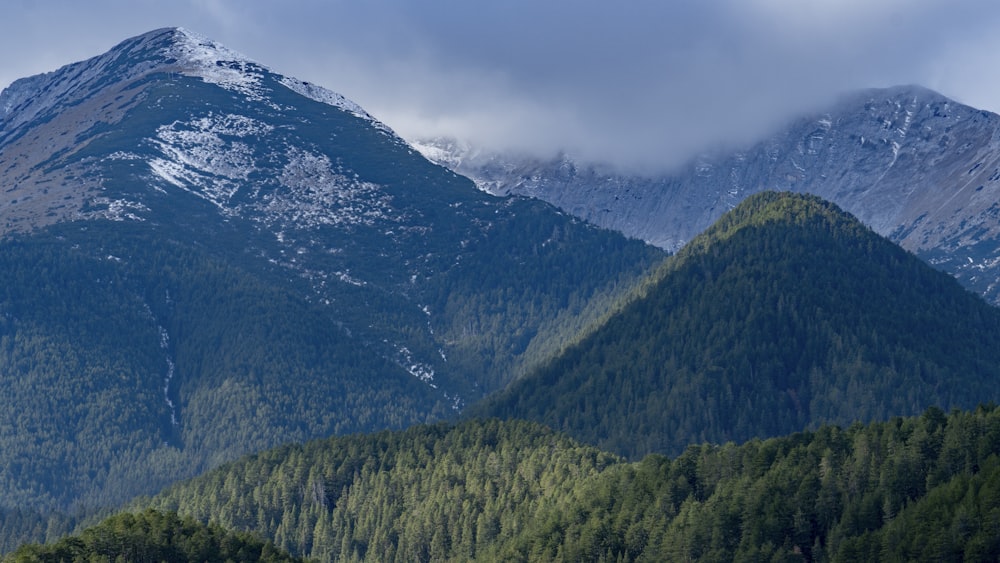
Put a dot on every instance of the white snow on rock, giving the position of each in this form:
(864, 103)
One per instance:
(314, 193)
(165, 345)
(119, 209)
(324, 96)
(206, 156)
(216, 64)
(219, 65)
(419, 370)
(213, 157)
(331, 98)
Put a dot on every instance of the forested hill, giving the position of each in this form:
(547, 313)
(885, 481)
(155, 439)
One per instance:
(428, 493)
(920, 488)
(787, 313)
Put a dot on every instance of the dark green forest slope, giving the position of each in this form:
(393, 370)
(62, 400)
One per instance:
(90, 329)
(918, 488)
(786, 314)
(136, 355)
(153, 536)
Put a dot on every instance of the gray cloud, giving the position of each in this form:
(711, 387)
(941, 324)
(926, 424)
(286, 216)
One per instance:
(641, 83)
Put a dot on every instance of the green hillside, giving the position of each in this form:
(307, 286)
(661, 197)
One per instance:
(918, 488)
(425, 493)
(915, 489)
(786, 314)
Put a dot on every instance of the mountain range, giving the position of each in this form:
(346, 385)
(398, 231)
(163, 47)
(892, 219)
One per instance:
(209, 268)
(915, 166)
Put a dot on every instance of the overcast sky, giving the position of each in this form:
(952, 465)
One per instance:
(636, 83)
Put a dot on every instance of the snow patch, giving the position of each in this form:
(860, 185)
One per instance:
(347, 278)
(216, 64)
(118, 209)
(165, 346)
(435, 154)
(323, 96)
(207, 156)
(315, 194)
(420, 370)
(457, 403)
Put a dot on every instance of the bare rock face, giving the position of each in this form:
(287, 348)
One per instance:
(915, 166)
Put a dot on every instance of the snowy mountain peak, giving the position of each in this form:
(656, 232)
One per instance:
(173, 132)
(196, 48)
(173, 110)
(212, 62)
(217, 64)
(171, 51)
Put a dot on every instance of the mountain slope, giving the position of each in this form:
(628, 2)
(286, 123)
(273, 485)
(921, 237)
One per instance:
(514, 491)
(204, 258)
(785, 314)
(130, 361)
(915, 166)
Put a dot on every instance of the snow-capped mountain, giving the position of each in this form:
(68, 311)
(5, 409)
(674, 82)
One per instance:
(917, 167)
(49, 121)
(125, 136)
(244, 259)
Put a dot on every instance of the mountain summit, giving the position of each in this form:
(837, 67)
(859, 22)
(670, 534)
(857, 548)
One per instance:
(56, 128)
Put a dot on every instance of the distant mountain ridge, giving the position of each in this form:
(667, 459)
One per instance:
(917, 167)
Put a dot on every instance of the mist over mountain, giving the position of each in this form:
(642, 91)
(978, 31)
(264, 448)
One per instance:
(915, 166)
